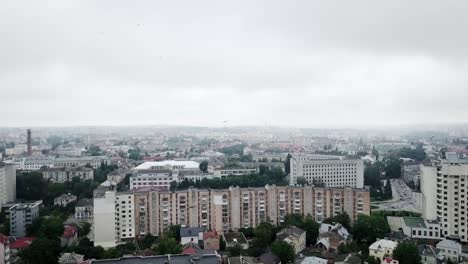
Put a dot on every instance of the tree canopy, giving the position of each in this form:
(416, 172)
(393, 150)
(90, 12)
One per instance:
(283, 250)
(407, 253)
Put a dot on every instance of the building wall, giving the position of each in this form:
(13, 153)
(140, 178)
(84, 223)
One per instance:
(104, 220)
(21, 216)
(429, 191)
(7, 183)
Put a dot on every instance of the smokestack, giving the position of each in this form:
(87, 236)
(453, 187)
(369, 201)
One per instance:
(29, 143)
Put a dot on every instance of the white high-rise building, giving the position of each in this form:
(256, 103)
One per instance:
(333, 171)
(114, 217)
(7, 183)
(451, 195)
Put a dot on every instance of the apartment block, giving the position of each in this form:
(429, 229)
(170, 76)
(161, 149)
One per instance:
(452, 194)
(21, 216)
(330, 171)
(154, 210)
(61, 175)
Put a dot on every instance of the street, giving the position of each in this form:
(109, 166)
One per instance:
(402, 198)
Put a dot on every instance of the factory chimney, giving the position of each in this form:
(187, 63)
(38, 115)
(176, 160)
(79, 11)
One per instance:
(29, 143)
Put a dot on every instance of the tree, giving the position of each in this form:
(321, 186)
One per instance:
(222, 244)
(51, 228)
(407, 253)
(264, 234)
(168, 245)
(112, 253)
(301, 181)
(41, 251)
(283, 250)
(340, 218)
(368, 228)
(392, 166)
(235, 250)
(287, 164)
(312, 229)
(204, 166)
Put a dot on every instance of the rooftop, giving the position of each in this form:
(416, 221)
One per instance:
(25, 206)
(187, 164)
(235, 236)
(163, 259)
(190, 231)
(417, 222)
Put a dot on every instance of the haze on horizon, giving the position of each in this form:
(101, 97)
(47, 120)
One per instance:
(198, 63)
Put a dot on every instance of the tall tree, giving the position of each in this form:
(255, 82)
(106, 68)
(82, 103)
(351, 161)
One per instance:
(204, 166)
(41, 251)
(283, 250)
(264, 234)
(287, 164)
(407, 253)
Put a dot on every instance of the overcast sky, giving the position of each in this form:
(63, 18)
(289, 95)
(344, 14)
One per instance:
(286, 63)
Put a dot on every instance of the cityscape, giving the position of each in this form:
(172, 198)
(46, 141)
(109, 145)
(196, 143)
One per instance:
(233, 132)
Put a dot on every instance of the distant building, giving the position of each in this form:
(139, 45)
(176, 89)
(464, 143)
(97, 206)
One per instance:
(294, 236)
(21, 216)
(170, 165)
(61, 175)
(7, 183)
(93, 161)
(333, 172)
(314, 260)
(64, 199)
(224, 173)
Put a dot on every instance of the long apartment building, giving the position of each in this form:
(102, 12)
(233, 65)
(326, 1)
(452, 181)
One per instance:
(444, 187)
(152, 211)
(332, 171)
(34, 163)
(67, 174)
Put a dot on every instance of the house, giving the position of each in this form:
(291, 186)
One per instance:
(64, 199)
(84, 209)
(211, 240)
(4, 249)
(71, 258)
(331, 236)
(449, 250)
(235, 238)
(314, 260)
(295, 236)
(243, 260)
(69, 236)
(191, 234)
(429, 254)
(382, 248)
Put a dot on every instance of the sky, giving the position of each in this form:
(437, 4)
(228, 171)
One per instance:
(264, 62)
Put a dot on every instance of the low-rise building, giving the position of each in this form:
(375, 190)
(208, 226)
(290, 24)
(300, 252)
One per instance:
(429, 254)
(294, 236)
(331, 236)
(389, 261)
(21, 216)
(415, 227)
(65, 199)
(93, 161)
(71, 258)
(314, 260)
(211, 240)
(162, 259)
(69, 236)
(382, 248)
(66, 174)
(449, 250)
(84, 209)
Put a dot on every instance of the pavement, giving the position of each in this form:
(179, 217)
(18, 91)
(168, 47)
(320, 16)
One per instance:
(402, 199)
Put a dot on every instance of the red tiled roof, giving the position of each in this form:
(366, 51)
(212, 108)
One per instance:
(69, 231)
(189, 250)
(21, 243)
(210, 234)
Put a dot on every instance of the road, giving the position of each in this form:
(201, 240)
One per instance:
(402, 198)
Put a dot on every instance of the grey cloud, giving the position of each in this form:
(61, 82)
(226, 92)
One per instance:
(295, 63)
